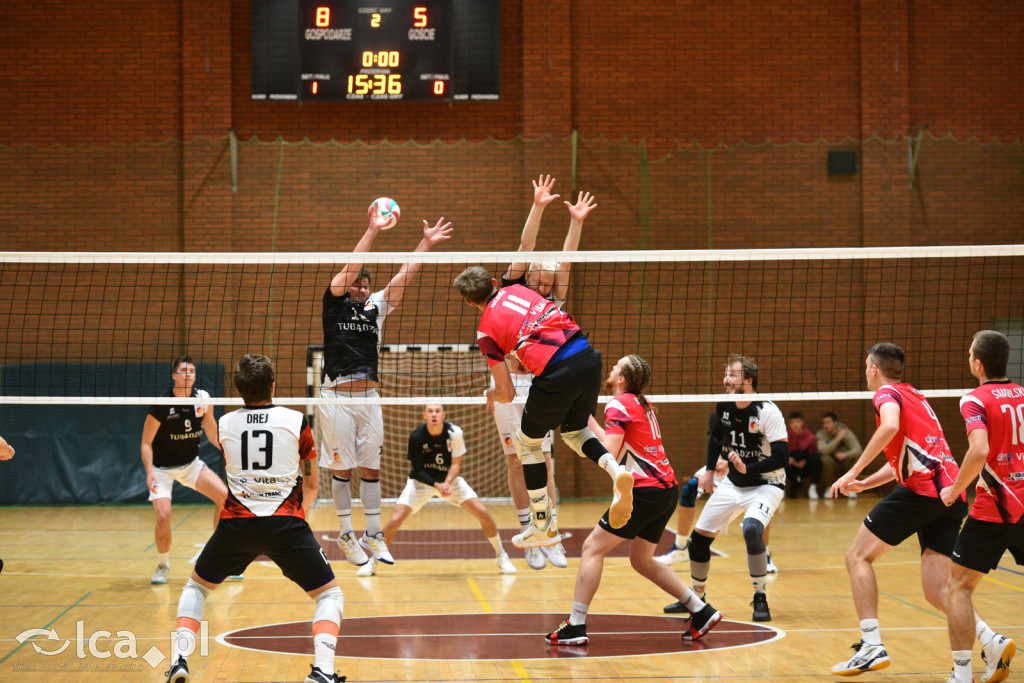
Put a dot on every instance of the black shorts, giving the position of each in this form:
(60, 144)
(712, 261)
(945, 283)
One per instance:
(652, 509)
(564, 395)
(903, 513)
(288, 541)
(981, 545)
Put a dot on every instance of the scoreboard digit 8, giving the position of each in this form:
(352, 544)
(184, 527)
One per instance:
(397, 50)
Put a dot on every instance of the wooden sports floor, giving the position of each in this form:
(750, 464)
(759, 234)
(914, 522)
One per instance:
(80, 575)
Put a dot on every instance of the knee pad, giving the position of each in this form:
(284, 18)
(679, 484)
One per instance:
(700, 547)
(330, 605)
(753, 534)
(193, 599)
(688, 494)
(585, 443)
(528, 449)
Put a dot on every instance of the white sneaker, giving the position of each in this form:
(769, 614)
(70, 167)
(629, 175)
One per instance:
(812, 492)
(160, 577)
(350, 546)
(532, 537)
(535, 558)
(377, 547)
(997, 658)
(852, 495)
(866, 658)
(622, 501)
(772, 569)
(368, 569)
(676, 554)
(953, 679)
(505, 564)
(556, 555)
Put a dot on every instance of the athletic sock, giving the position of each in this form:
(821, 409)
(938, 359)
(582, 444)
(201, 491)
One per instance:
(579, 614)
(985, 634)
(524, 517)
(681, 541)
(692, 601)
(341, 490)
(495, 542)
(869, 632)
(609, 464)
(369, 491)
(165, 558)
(962, 665)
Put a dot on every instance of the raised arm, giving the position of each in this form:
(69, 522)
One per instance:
(585, 203)
(395, 290)
(541, 198)
(6, 450)
(344, 279)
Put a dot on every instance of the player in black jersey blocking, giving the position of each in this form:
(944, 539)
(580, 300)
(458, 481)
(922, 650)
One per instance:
(353, 434)
(270, 462)
(170, 452)
(436, 449)
(754, 434)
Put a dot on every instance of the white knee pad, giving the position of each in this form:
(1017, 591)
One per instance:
(576, 439)
(529, 450)
(193, 599)
(330, 605)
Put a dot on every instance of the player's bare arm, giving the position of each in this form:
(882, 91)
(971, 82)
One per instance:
(889, 425)
(973, 464)
(884, 475)
(6, 450)
(210, 428)
(585, 203)
(439, 232)
(310, 482)
(149, 430)
(344, 279)
(503, 390)
(528, 240)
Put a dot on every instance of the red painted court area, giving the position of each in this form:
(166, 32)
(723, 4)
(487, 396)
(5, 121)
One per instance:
(499, 636)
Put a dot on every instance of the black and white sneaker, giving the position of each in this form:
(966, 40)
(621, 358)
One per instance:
(676, 607)
(567, 634)
(702, 622)
(761, 611)
(865, 658)
(318, 676)
(178, 672)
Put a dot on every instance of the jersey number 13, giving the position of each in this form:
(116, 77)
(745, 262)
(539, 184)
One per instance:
(262, 449)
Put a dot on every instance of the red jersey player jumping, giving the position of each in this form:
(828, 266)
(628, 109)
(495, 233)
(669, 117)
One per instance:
(920, 460)
(631, 434)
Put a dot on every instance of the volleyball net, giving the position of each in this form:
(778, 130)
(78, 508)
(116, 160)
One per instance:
(87, 329)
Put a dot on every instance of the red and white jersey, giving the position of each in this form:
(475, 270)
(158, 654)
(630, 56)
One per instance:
(642, 453)
(262, 449)
(519, 321)
(918, 453)
(999, 408)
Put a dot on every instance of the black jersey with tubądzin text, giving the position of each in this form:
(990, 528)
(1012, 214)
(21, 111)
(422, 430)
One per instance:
(431, 456)
(352, 334)
(750, 431)
(176, 443)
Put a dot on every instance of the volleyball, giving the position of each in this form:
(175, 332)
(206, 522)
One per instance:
(388, 209)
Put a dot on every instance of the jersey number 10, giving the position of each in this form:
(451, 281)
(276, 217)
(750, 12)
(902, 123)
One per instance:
(267, 449)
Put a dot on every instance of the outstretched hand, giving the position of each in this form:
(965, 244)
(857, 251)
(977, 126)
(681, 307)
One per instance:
(542, 191)
(438, 233)
(585, 203)
(377, 222)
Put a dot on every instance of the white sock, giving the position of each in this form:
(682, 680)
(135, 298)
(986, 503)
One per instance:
(579, 613)
(869, 632)
(341, 490)
(323, 651)
(609, 464)
(681, 541)
(699, 586)
(692, 602)
(524, 517)
(165, 558)
(760, 583)
(495, 542)
(985, 634)
(962, 665)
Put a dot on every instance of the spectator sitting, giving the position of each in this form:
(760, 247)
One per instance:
(838, 446)
(804, 461)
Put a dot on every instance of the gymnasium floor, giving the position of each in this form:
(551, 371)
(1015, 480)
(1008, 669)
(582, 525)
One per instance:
(76, 573)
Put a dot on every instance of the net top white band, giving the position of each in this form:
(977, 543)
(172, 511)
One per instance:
(709, 255)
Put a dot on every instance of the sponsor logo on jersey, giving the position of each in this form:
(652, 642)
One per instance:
(725, 416)
(171, 411)
(752, 427)
(200, 410)
(507, 439)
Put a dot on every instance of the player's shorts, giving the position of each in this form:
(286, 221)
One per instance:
(353, 435)
(728, 500)
(652, 509)
(508, 416)
(165, 477)
(903, 513)
(564, 395)
(981, 544)
(287, 541)
(416, 494)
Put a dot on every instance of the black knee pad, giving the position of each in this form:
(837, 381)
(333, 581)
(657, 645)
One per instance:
(753, 534)
(688, 494)
(700, 547)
